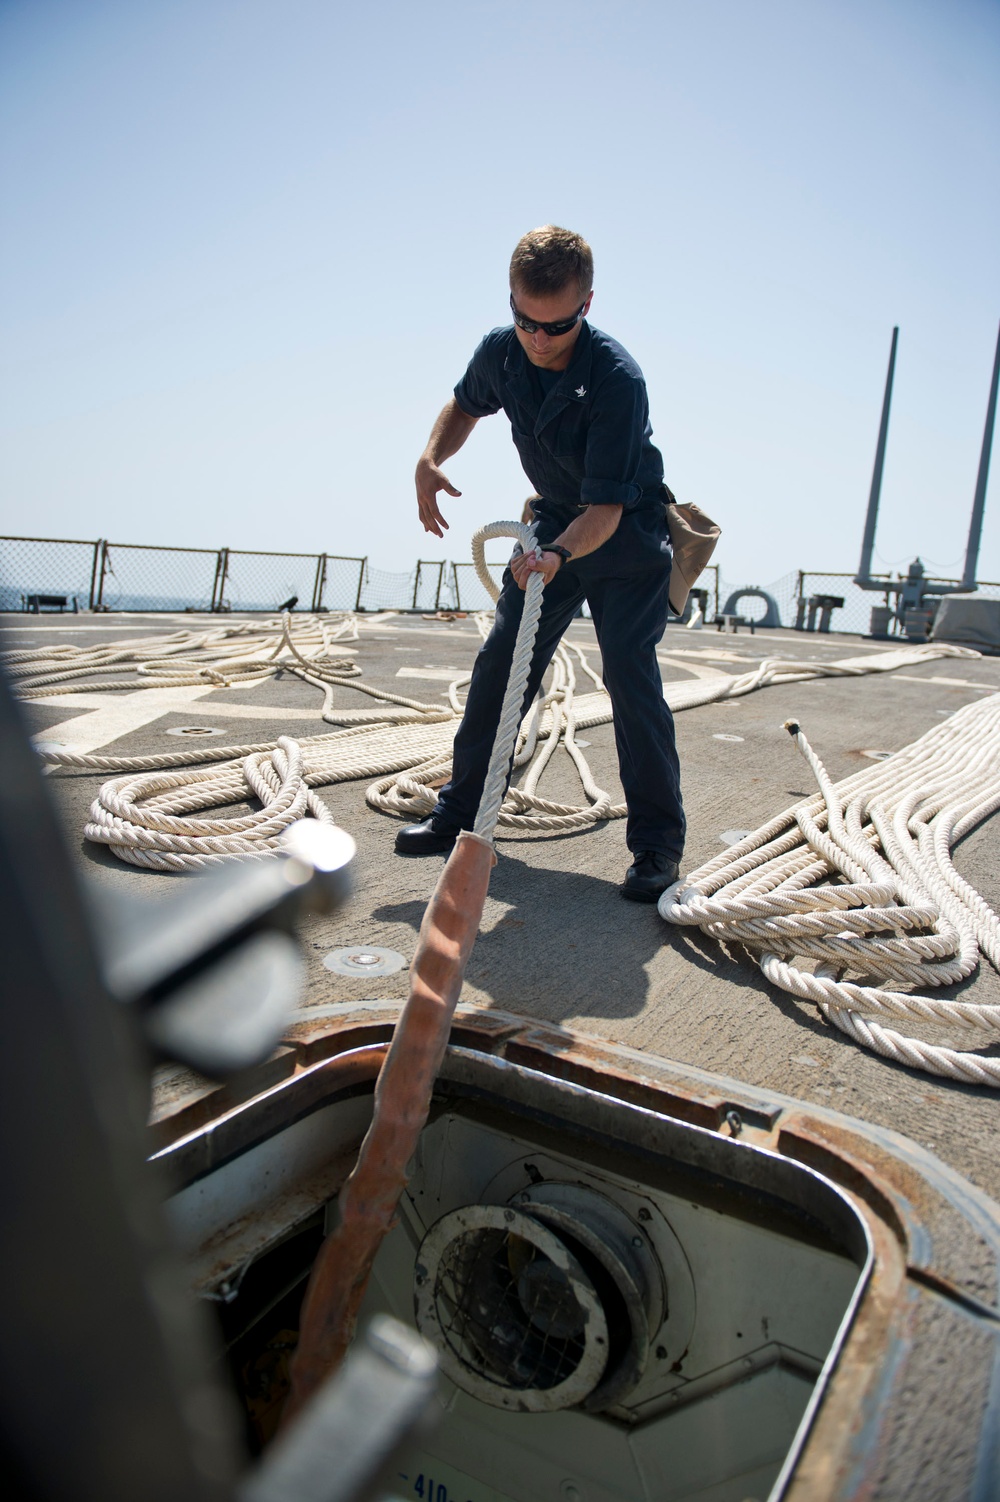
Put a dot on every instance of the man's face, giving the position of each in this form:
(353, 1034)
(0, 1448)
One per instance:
(551, 352)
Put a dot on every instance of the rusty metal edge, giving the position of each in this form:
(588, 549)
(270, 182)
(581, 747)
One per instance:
(689, 1110)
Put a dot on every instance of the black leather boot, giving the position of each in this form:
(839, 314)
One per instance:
(432, 837)
(649, 876)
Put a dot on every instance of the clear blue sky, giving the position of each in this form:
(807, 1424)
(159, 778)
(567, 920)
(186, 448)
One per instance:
(249, 246)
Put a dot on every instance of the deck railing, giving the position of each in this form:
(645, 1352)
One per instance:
(35, 572)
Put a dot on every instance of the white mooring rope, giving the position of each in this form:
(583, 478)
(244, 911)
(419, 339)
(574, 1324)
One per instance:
(403, 743)
(890, 910)
(504, 742)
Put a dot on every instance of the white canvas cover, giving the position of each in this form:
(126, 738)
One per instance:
(970, 621)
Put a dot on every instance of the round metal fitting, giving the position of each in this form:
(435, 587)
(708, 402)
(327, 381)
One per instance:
(720, 736)
(876, 755)
(624, 1268)
(515, 1317)
(194, 731)
(364, 959)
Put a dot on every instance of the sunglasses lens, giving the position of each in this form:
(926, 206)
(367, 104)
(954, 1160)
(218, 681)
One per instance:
(529, 326)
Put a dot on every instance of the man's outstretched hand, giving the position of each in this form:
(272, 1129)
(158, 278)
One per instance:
(430, 479)
(523, 565)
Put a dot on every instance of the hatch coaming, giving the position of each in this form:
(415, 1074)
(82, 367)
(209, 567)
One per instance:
(866, 1189)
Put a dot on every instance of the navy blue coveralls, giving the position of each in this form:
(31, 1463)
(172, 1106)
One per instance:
(584, 442)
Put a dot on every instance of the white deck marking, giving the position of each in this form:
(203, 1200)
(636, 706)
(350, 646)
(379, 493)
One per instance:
(696, 669)
(120, 716)
(434, 675)
(706, 652)
(55, 630)
(223, 709)
(444, 632)
(218, 709)
(985, 688)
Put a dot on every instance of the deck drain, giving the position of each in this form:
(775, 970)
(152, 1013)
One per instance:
(877, 755)
(733, 836)
(192, 730)
(721, 737)
(364, 959)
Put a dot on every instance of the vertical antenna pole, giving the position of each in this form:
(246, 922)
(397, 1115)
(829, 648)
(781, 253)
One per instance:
(979, 500)
(868, 544)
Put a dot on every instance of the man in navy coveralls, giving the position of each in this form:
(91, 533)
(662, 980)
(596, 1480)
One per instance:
(579, 417)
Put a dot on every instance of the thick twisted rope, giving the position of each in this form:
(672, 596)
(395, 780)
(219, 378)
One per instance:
(891, 911)
(403, 743)
(138, 817)
(504, 742)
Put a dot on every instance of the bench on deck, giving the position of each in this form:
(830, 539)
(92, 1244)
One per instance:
(35, 604)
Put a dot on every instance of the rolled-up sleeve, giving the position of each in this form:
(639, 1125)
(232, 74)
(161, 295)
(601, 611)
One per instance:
(476, 393)
(618, 426)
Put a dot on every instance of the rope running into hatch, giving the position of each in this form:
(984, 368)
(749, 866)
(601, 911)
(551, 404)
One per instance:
(889, 911)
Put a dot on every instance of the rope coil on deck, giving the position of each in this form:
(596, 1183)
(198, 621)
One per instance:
(891, 910)
(403, 743)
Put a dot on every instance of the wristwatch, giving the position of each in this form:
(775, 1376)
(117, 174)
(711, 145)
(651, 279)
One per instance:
(553, 547)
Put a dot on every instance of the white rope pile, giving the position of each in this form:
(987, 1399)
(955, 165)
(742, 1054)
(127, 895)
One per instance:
(241, 652)
(555, 719)
(890, 912)
(403, 743)
(237, 655)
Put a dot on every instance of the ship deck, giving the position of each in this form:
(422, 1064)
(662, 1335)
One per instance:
(557, 942)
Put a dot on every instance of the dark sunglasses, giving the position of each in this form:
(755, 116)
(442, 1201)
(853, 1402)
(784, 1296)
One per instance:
(553, 330)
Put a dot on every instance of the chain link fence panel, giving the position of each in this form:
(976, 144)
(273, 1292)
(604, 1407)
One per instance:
(467, 591)
(51, 573)
(340, 584)
(854, 615)
(268, 581)
(135, 577)
(386, 591)
(737, 599)
(36, 570)
(429, 586)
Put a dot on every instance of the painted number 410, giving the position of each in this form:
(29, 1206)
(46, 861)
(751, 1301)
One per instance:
(425, 1489)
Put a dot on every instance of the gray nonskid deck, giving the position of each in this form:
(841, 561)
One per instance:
(557, 942)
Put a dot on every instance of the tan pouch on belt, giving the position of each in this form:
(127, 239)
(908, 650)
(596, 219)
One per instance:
(693, 536)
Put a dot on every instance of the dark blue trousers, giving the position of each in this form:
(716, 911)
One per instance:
(630, 615)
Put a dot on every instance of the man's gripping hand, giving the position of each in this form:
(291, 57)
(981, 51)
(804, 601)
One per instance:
(430, 479)
(523, 565)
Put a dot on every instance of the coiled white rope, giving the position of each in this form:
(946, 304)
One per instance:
(403, 743)
(890, 910)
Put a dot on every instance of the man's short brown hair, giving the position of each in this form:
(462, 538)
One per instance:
(548, 259)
